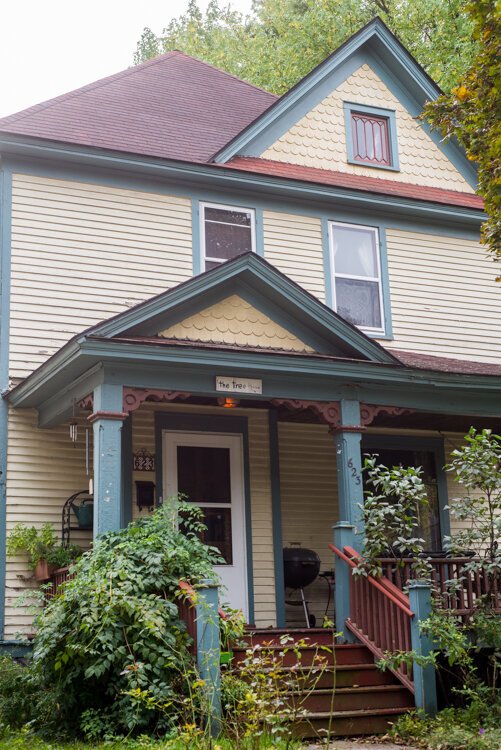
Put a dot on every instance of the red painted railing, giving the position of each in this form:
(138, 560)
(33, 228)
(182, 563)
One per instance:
(461, 599)
(57, 581)
(380, 615)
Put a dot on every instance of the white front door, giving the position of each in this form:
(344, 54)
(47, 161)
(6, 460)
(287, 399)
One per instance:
(208, 469)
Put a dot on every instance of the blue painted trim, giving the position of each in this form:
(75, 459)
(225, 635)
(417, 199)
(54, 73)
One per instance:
(327, 259)
(259, 229)
(16, 649)
(195, 236)
(435, 446)
(343, 536)
(211, 423)
(385, 285)
(209, 652)
(5, 263)
(177, 178)
(389, 114)
(276, 512)
(108, 471)
(127, 466)
(425, 686)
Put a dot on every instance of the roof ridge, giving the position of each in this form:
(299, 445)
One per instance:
(18, 116)
(225, 72)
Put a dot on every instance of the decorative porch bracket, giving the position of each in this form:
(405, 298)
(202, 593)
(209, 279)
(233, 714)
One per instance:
(420, 599)
(132, 398)
(208, 651)
(107, 420)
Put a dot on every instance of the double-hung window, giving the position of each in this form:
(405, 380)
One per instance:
(356, 268)
(226, 231)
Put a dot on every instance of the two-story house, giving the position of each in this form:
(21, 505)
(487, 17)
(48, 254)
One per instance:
(241, 294)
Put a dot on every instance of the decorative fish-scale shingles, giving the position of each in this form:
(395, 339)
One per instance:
(234, 321)
(319, 138)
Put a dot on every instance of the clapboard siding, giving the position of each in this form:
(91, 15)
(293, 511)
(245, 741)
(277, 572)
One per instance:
(293, 243)
(94, 251)
(444, 297)
(309, 502)
(43, 469)
(260, 491)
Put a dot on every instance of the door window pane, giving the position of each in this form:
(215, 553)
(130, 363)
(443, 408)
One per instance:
(228, 232)
(203, 474)
(218, 532)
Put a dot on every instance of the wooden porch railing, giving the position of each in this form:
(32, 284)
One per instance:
(57, 581)
(462, 598)
(380, 615)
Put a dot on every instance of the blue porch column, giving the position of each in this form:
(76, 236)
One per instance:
(208, 651)
(424, 677)
(349, 529)
(107, 419)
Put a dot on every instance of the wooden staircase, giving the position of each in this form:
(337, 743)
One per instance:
(345, 690)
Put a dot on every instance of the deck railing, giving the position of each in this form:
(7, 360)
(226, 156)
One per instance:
(380, 615)
(460, 598)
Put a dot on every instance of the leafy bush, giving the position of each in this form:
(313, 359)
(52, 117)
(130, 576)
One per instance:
(23, 697)
(114, 635)
(40, 544)
(451, 729)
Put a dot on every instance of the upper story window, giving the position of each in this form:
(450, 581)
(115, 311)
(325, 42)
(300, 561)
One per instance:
(356, 267)
(371, 136)
(226, 231)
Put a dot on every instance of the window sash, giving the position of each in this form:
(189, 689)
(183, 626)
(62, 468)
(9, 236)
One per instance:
(370, 279)
(224, 207)
(361, 124)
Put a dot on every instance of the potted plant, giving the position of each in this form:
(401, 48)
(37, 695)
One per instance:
(45, 554)
(231, 629)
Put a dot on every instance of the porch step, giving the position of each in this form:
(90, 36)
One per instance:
(323, 676)
(342, 676)
(347, 723)
(353, 698)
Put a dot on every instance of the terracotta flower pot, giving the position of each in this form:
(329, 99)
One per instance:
(44, 570)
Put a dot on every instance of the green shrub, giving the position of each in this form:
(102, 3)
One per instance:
(476, 728)
(24, 698)
(112, 644)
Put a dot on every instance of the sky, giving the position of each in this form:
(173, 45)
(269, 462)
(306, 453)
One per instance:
(50, 47)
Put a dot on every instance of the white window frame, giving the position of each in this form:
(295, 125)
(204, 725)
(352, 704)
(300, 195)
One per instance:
(375, 230)
(224, 207)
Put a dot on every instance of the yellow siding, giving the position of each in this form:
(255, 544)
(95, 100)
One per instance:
(309, 502)
(43, 469)
(444, 297)
(235, 321)
(260, 491)
(319, 138)
(293, 243)
(83, 252)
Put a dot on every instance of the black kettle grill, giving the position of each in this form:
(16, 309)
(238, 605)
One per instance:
(301, 567)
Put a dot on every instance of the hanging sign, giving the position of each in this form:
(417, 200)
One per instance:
(229, 384)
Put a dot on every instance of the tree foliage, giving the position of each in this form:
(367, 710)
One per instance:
(282, 40)
(472, 113)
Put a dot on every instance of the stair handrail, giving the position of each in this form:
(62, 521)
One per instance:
(384, 585)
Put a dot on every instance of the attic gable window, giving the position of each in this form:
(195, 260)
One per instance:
(371, 136)
(226, 231)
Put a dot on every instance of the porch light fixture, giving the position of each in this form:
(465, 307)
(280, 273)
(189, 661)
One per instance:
(228, 403)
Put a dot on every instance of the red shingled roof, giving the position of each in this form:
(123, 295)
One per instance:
(445, 364)
(354, 181)
(172, 107)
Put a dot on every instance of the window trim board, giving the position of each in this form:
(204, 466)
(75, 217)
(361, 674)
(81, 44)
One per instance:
(390, 115)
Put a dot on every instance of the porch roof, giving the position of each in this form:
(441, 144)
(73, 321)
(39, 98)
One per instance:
(337, 359)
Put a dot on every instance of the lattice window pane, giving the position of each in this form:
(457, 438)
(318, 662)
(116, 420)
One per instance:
(371, 144)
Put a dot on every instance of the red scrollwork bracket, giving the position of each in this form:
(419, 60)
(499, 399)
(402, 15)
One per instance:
(327, 412)
(368, 412)
(134, 397)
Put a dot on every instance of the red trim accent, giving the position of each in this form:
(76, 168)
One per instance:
(134, 397)
(328, 412)
(368, 412)
(116, 415)
(353, 181)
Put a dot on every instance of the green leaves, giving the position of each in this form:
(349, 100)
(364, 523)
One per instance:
(116, 627)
